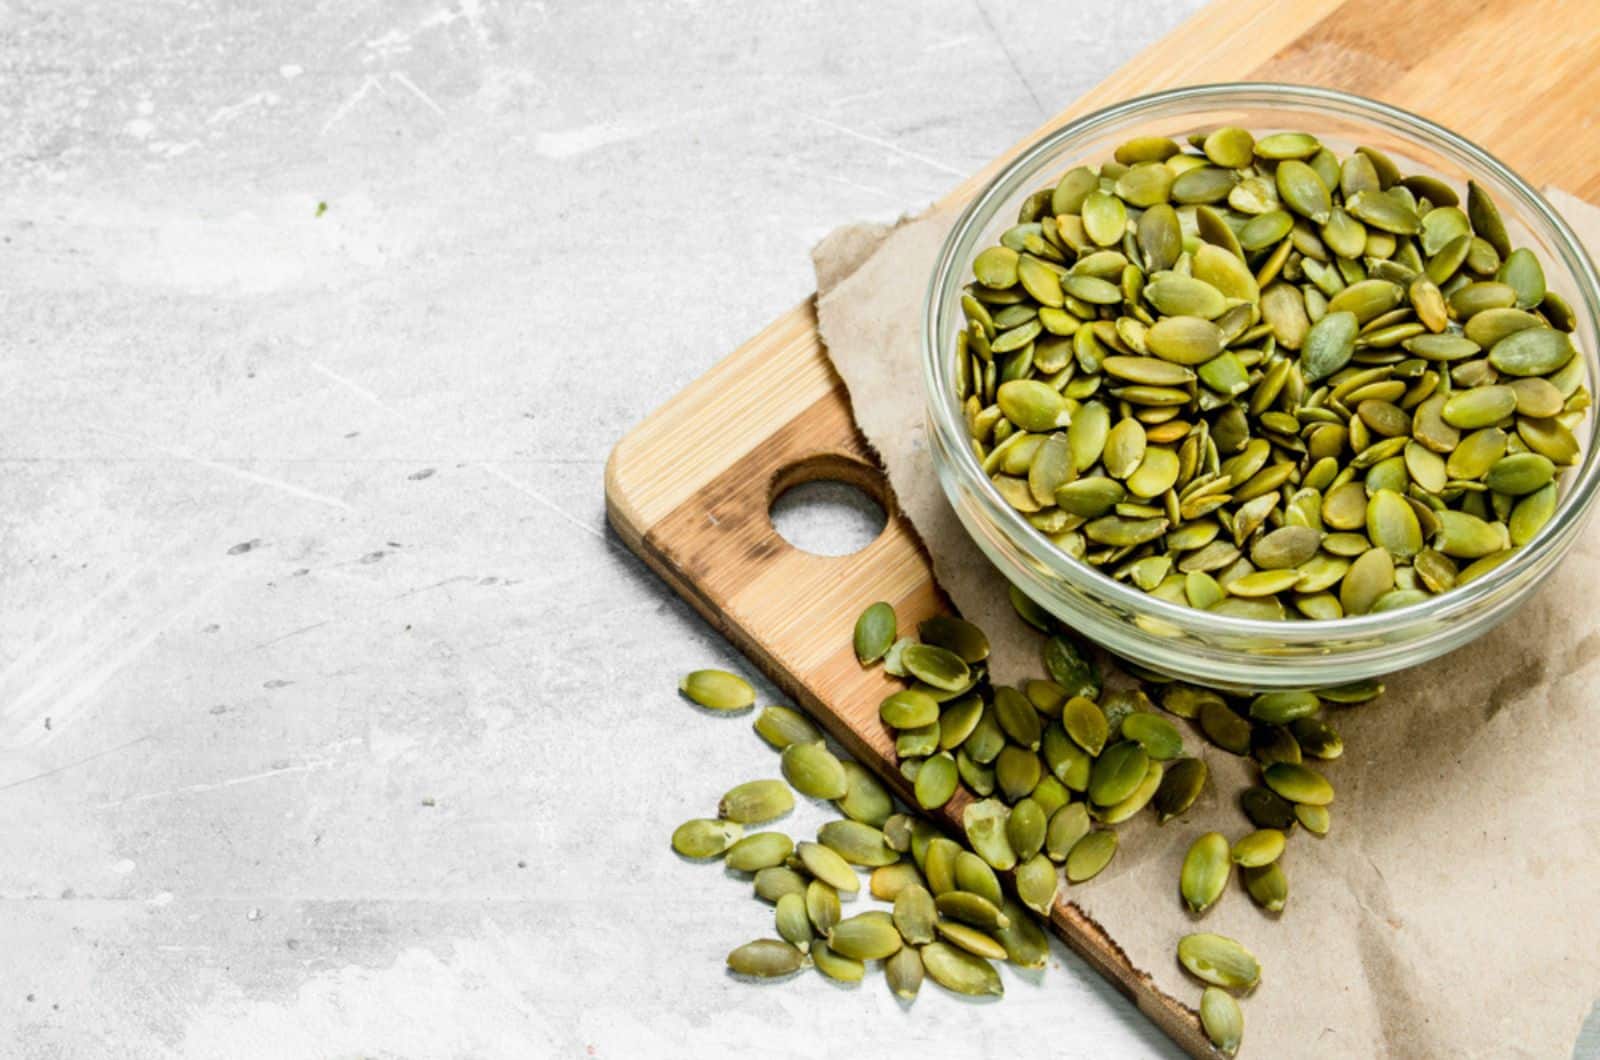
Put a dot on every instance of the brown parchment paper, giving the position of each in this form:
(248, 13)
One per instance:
(1454, 908)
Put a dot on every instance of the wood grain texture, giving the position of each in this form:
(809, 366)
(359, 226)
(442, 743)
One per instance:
(690, 489)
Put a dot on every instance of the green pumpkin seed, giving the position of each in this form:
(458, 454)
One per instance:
(857, 843)
(794, 926)
(1159, 737)
(1117, 772)
(875, 633)
(1222, 1020)
(1083, 720)
(870, 936)
(1105, 219)
(1267, 809)
(772, 884)
(705, 838)
(936, 781)
(1316, 819)
(1531, 514)
(1203, 184)
(1464, 536)
(1279, 146)
(1219, 960)
(1369, 577)
(822, 905)
(903, 972)
(972, 940)
(865, 799)
(811, 769)
(1531, 352)
(1025, 828)
(763, 850)
(1037, 884)
(1261, 847)
(1298, 783)
(1024, 941)
(1273, 743)
(985, 825)
(766, 959)
(1067, 825)
(936, 666)
(915, 912)
(827, 866)
(1032, 405)
(1302, 190)
(1486, 220)
(756, 802)
(782, 726)
(1519, 474)
(887, 881)
(1205, 873)
(973, 875)
(1317, 738)
(1280, 708)
(1090, 855)
(1186, 340)
(718, 690)
(1329, 345)
(1225, 728)
(959, 971)
(1268, 887)
(1180, 787)
(1230, 147)
(996, 267)
(909, 709)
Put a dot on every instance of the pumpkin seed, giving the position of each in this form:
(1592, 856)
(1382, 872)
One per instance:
(959, 971)
(826, 865)
(1298, 783)
(1267, 885)
(763, 850)
(903, 972)
(1266, 808)
(772, 884)
(1205, 872)
(766, 959)
(1219, 960)
(1222, 1019)
(782, 726)
(706, 838)
(1180, 787)
(1090, 855)
(869, 936)
(1261, 847)
(875, 633)
(717, 690)
(811, 769)
(756, 802)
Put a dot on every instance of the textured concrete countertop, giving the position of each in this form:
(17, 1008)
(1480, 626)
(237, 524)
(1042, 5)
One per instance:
(334, 721)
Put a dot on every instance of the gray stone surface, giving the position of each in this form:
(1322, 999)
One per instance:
(333, 720)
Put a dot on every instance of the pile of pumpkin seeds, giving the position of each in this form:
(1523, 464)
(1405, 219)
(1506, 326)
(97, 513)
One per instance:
(1043, 774)
(944, 914)
(1259, 379)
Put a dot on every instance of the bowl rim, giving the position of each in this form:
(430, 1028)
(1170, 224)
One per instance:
(944, 413)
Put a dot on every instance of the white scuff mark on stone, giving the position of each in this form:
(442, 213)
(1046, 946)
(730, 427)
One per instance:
(145, 107)
(569, 143)
(230, 782)
(290, 71)
(368, 83)
(887, 145)
(228, 113)
(124, 867)
(139, 128)
(238, 472)
(411, 86)
(160, 901)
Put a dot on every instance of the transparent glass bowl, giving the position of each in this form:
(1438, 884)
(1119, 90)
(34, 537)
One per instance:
(1198, 646)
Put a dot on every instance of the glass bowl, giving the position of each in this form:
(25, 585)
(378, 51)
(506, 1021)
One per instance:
(1223, 650)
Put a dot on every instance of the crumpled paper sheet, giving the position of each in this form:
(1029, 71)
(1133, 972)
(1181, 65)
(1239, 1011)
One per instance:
(1453, 910)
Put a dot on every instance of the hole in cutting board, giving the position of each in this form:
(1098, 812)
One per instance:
(828, 506)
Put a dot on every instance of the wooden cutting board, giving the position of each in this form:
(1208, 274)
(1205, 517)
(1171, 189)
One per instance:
(691, 487)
